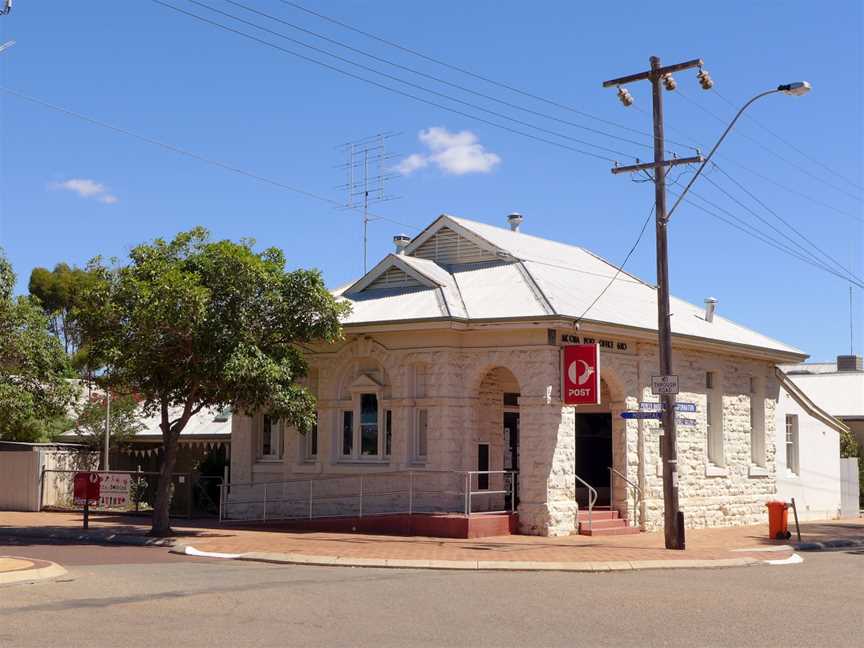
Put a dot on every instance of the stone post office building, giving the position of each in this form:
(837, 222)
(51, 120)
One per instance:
(451, 362)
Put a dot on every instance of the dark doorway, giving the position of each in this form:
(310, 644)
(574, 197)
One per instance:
(593, 452)
(511, 453)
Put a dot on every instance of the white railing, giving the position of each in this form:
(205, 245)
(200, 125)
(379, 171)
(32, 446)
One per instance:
(366, 494)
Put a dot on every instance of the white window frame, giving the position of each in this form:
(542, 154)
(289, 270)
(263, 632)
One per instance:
(758, 450)
(312, 442)
(357, 428)
(715, 451)
(276, 439)
(420, 429)
(793, 467)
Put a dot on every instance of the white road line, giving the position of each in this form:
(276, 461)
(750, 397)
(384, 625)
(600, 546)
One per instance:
(794, 559)
(192, 551)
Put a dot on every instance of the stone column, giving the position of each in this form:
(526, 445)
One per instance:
(547, 503)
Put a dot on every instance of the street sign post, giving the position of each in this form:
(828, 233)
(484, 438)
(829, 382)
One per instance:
(85, 487)
(664, 384)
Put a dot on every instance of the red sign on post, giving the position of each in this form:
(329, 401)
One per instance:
(86, 488)
(580, 380)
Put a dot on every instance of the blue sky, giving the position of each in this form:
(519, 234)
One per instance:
(72, 190)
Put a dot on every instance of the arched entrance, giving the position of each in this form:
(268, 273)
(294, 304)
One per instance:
(495, 450)
(593, 448)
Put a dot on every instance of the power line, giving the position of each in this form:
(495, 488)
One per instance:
(470, 73)
(768, 149)
(742, 225)
(803, 250)
(433, 77)
(782, 220)
(620, 268)
(399, 80)
(795, 148)
(776, 183)
(188, 153)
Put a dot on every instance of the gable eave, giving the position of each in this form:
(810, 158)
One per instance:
(445, 220)
(390, 261)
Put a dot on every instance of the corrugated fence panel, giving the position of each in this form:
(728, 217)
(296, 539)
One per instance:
(19, 481)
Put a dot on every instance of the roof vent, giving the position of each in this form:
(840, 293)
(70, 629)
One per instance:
(514, 220)
(850, 363)
(401, 241)
(710, 307)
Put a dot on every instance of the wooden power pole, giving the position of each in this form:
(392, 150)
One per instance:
(673, 519)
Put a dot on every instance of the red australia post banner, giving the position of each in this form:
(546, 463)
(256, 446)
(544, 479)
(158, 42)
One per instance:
(580, 380)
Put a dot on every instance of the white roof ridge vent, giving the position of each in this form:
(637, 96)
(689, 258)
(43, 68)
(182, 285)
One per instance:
(401, 241)
(710, 309)
(514, 220)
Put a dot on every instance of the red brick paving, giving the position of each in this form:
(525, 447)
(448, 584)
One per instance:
(702, 544)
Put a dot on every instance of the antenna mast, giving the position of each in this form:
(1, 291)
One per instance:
(366, 176)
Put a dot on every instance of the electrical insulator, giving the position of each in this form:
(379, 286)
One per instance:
(705, 79)
(625, 96)
(669, 82)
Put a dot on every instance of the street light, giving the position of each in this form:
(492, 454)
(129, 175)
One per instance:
(795, 89)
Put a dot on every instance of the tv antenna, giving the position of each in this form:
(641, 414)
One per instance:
(366, 175)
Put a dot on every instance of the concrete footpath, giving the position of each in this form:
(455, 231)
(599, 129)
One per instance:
(706, 548)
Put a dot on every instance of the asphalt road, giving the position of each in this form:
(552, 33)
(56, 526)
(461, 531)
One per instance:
(128, 596)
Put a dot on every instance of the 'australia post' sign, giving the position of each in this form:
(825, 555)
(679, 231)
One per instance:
(580, 380)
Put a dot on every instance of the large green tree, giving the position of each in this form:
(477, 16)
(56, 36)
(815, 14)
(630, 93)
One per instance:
(194, 323)
(59, 292)
(35, 390)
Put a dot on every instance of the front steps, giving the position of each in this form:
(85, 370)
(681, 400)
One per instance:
(603, 523)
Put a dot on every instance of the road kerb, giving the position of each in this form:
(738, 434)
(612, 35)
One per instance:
(42, 570)
(471, 565)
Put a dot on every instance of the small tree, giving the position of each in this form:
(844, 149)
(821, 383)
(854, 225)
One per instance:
(195, 323)
(125, 421)
(35, 390)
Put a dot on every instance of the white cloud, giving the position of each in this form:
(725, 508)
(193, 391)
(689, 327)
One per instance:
(454, 153)
(87, 189)
(411, 163)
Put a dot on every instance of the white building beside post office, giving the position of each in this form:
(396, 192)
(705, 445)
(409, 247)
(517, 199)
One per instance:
(451, 363)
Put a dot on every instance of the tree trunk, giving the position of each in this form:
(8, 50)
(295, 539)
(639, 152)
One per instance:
(161, 524)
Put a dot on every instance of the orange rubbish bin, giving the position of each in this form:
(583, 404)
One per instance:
(778, 520)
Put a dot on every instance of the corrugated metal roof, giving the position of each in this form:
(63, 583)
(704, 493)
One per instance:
(531, 276)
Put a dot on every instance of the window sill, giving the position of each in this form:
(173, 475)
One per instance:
(712, 470)
(417, 462)
(362, 462)
(268, 460)
(757, 471)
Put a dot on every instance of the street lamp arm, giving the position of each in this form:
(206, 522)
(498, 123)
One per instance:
(719, 141)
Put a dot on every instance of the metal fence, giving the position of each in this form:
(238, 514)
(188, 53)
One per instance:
(366, 494)
(191, 494)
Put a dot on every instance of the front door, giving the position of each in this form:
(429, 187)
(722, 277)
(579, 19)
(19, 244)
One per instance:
(593, 456)
(511, 454)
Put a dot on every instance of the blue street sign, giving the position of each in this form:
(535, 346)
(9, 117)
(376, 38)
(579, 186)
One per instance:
(640, 415)
(656, 407)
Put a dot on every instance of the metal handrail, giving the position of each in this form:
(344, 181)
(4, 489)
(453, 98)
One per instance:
(592, 499)
(637, 493)
(364, 491)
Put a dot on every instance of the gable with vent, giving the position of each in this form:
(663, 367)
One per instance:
(447, 247)
(394, 277)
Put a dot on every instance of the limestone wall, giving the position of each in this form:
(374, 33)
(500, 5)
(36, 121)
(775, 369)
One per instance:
(459, 377)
